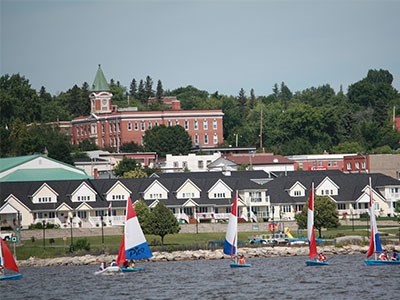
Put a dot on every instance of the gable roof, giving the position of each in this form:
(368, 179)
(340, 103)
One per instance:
(259, 159)
(11, 162)
(42, 174)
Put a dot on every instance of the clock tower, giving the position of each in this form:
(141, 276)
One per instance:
(100, 96)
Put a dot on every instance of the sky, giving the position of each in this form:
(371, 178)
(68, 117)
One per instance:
(215, 45)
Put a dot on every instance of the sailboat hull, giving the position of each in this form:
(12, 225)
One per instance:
(11, 277)
(372, 262)
(129, 270)
(316, 263)
(233, 265)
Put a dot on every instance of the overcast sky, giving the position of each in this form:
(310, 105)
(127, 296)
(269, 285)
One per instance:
(213, 45)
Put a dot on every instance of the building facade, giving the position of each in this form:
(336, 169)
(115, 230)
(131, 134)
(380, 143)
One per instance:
(109, 126)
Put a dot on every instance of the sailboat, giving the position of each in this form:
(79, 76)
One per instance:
(312, 244)
(230, 244)
(133, 245)
(7, 261)
(375, 245)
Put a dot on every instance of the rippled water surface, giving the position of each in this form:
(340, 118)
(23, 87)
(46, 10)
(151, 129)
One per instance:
(268, 278)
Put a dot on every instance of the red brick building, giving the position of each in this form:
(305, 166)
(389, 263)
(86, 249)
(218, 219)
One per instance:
(109, 126)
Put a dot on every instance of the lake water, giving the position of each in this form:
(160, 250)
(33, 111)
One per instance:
(268, 278)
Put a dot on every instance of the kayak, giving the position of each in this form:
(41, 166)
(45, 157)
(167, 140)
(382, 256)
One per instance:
(373, 262)
(316, 263)
(11, 277)
(128, 270)
(233, 265)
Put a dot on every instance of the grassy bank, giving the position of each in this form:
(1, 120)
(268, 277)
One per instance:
(183, 241)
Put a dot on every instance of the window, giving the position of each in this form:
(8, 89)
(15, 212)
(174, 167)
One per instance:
(155, 196)
(215, 139)
(363, 165)
(186, 125)
(203, 209)
(255, 197)
(326, 192)
(205, 124)
(176, 164)
(150, 125)
(314, 163)
(357, 165)
(142, 126)
(335, 163)
(297, 193)
(319, 163)
(200, 164)
(329, 163)
(187, 195)
(118, 197)
(176, 122)
(129, 126)
(219, 195)
(156, 123)
(205, 139)
(136, 126)
(341, 206)
(215, 124)
(196, 125)
(196, 139)
(348, 166)
(298, 207)
(286, 208)
(169, 123)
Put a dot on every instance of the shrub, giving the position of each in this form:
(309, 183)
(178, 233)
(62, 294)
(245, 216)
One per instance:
(33, 239)
(82, 244)
(52, 241)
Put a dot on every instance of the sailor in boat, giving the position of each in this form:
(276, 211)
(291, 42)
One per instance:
(383, 255)
(1, 270)
(113, 263)
(242, 260)
(131, 264)
(396, 255)
(102, 266)
(321, 257)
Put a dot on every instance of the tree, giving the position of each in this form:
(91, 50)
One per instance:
(143, 214)
(167, 140)
(133, 88)
(130, 147)
(148, 88)
(325, 215)
(163, 222)
(141, 94)
(160, 91)
(136, 173)
(126, 165)
(242, 98)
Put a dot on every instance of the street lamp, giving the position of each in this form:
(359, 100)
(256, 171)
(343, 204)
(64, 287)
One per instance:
(102, 234)
(71, 246)
(352, 218)
(44, 233)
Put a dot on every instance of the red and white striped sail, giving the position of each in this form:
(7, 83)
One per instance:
(374, 241)
(230, 244)
(6, 258)
(312, 244)
(133, 245)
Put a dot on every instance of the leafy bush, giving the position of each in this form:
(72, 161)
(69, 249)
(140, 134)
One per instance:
(82, 244)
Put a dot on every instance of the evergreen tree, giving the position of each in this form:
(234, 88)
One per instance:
(160, 91)
(141, 94)
(242, 98)
(148, 88)
(133, 89)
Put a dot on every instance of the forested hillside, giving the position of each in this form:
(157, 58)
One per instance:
(303, 122)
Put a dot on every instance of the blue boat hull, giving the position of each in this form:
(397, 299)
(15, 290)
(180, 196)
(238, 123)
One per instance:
(11, 277)
(316, 263)
(233, 265)
(372, 262)
(129, 270)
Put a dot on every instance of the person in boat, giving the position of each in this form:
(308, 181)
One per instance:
(113, 263)
(1, 270)
(321, 257)
(125, 264)
(242, 260)
(102, 266)
(396, 255)
(383, 255)
(131, 264)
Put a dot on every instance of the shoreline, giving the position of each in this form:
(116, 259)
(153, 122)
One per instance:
(199, 255)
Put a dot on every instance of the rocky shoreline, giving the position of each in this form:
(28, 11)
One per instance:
(200, 254)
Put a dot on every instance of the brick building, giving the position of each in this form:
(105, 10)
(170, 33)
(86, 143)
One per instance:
(109, 126)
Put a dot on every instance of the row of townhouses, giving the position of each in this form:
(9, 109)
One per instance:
(201, 196)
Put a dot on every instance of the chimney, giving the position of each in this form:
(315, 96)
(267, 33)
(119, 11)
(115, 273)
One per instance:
(95, 173)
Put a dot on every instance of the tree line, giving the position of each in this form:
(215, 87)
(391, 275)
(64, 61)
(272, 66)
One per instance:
(310, 121)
